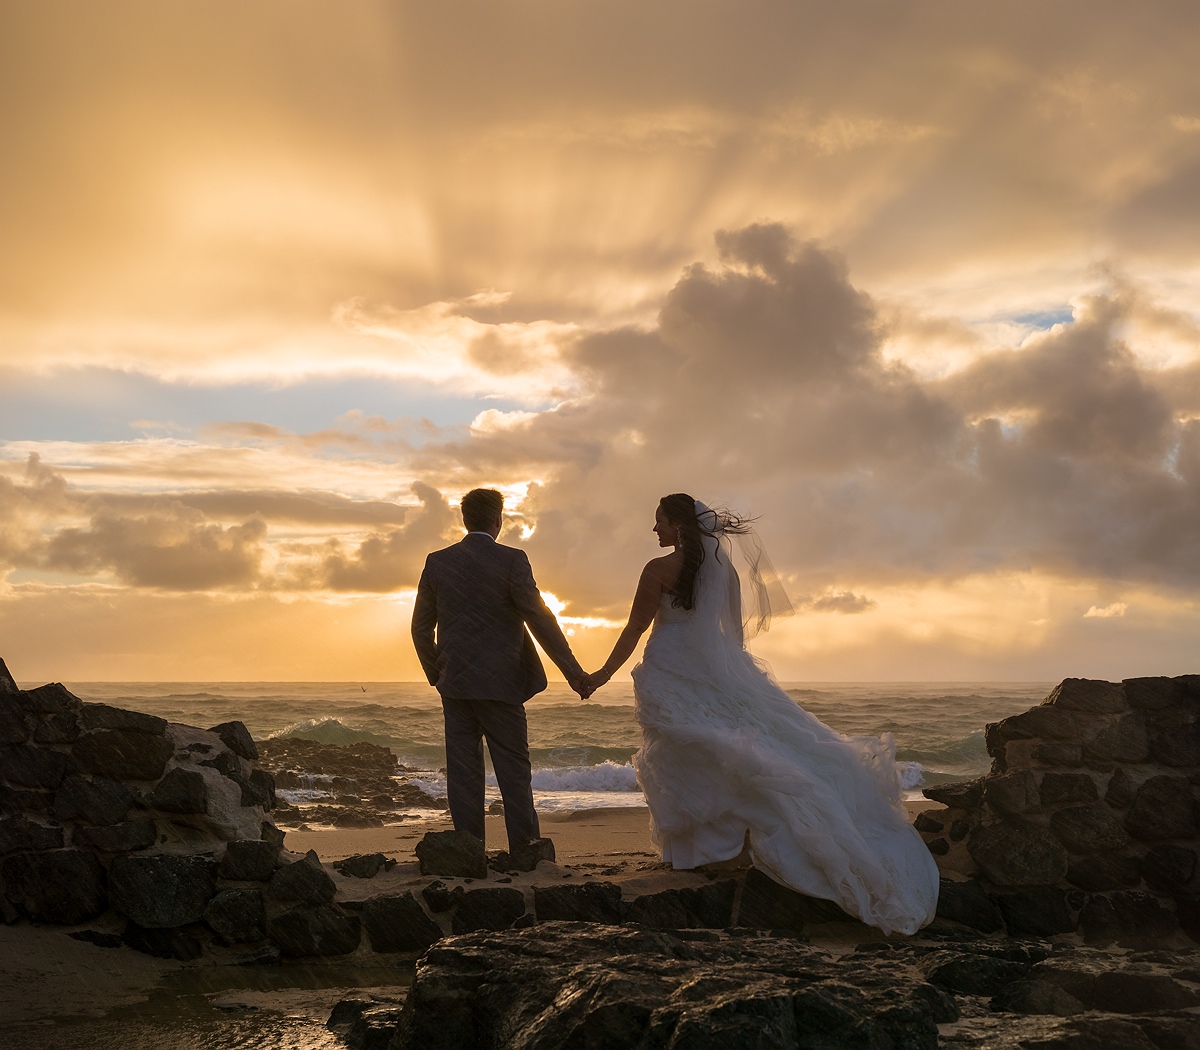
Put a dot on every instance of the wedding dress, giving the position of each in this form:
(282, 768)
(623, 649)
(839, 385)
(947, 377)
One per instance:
(726, 751)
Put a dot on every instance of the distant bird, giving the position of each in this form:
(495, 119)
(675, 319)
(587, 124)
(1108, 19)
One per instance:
(363, 688)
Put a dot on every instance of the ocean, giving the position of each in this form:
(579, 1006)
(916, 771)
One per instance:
(580, 750)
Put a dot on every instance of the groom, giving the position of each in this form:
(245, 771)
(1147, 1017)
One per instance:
(480, 596)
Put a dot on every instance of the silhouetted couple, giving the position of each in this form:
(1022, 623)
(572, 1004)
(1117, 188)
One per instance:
(729, 763)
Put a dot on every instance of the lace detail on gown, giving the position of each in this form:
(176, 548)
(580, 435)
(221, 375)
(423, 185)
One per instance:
(726, 752)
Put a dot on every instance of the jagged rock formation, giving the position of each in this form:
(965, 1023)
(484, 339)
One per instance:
(1087, 820)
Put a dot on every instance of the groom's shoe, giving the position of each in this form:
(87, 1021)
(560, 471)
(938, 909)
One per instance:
(525, 857)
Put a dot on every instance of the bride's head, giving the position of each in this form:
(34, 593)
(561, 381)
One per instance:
(677, 524)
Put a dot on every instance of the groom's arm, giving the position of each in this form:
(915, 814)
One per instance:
(423, 623)
(540, 620)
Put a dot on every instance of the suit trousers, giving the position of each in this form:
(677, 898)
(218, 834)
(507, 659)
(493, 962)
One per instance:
(468, 724)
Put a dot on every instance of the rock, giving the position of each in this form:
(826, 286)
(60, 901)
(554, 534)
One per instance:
(1173, 737)
(1187, 914)
(52, 699)
(21, 801)
(927, 822)
(97, 937)
(966, 903)
(689, 907)
(180, 791)
(236, 737)
(973, 974)
(1018, 854)
(1162, 809)
(1011, 794)
(966, 794)
(398, 923)
(589, 902)
(1090, 695)
(117, 838)
(8, 684)
(457, 854)
(162, 943)
(1123, 741)
(102, 716)
(33, 767)
(237, 916)
(304, 881)
(264, 784)
(1104, 872)
(56, 728)
(1169, 868)
(19, 835)
(1041, 912)
(488, 909)
(1089, 829)
(270, 833)
(63, 886)
(1128, 918)
(12, 720)
(1036, 997)
(1131, 993)
(124, 754)
(1055, 723)
(363, 865)
(1059, 754)
(373, 1027)
(528, 855)
(1150, 694)
(312, 930)
(249, 860)
(1119, 793)
(101, 800)
(441, 899)
(162, 891)
(1059, 788)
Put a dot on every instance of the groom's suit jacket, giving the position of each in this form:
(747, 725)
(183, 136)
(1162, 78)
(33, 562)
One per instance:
(479, 597)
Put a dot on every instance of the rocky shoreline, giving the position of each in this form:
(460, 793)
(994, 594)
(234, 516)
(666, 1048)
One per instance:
(1067, 915)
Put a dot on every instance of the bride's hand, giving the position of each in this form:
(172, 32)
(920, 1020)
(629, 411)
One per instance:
(598, 678)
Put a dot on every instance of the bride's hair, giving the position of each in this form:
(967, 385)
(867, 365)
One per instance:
(680, 510)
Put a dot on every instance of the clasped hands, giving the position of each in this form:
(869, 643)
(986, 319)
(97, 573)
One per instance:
(589, 683)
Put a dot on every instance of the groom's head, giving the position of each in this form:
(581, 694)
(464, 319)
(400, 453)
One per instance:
(482, 510)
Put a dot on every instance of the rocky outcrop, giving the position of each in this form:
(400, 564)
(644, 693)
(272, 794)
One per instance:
(1087, 819)
(576, 984)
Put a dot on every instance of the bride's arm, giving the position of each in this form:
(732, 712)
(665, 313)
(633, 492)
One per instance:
(641, 615)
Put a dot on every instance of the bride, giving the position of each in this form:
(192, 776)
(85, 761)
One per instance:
(730, 761)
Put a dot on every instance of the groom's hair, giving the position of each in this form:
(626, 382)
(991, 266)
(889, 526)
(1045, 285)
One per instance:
(481, 508)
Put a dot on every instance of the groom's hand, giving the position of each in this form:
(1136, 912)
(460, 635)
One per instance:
(582, 686)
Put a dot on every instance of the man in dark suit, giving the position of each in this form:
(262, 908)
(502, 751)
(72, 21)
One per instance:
(480, 596)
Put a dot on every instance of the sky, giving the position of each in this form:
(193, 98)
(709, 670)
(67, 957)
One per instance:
(915, 283)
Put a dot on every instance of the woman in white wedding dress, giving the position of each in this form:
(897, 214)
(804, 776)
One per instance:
(730, 761)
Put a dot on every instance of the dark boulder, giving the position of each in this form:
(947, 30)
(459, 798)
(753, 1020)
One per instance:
(52, 699)
(441, 899)
(1104, 872)
(1011, 793)
(304, 881)
(1054, 723)
(1162, 809)
(1018, 854)
(162, 943)
(1036, 997)
(966, 903)
(1128, 918)
(1151, 694)
(237, 916)
(1119, 792)
(262, 782)
(767, 905)
(1058, 754)
(8, 684)
(249, 860)
(25, 800)
(528, 855)
(236, 737)
(707, 907)
(124, 837)
(966, 794)
(1168, 867)
(102, 716)
(930, 822)
(1060, 788)
(101, 800)
(20, 835)
(1039, 912)
(311, 930)
(589, 902)
(457, 854)
(162, 891)
(1122, 742)
(1088, 695)
(124, 754)
(56, 728)
(1091, 828)
(488, 909)
(13, 729)
(363, 865)
(180, 791)
(1174, 737)
(973, 974)
(65, 886)
(32, 767)
(398, 923)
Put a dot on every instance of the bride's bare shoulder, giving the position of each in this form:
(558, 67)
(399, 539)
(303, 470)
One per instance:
(665, 569)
